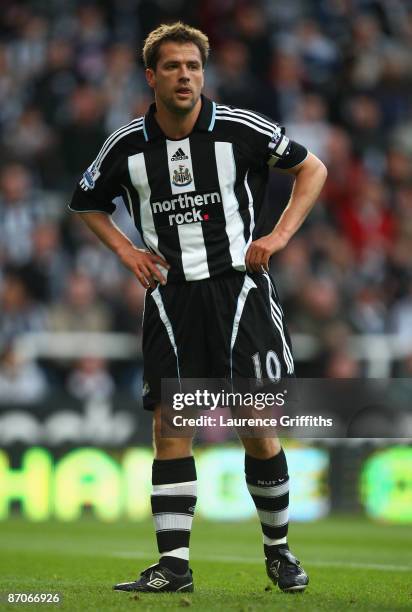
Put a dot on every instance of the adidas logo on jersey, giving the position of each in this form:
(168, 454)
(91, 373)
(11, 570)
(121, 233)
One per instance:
(179, 155)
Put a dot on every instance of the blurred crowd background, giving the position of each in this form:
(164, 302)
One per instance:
(336, 73)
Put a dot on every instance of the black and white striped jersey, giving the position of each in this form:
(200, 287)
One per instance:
(195, 201)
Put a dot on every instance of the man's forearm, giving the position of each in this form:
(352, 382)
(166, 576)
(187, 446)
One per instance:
(309, 180)
(103, 226)
(143, 264)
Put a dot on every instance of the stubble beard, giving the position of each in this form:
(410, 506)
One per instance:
(180, 111)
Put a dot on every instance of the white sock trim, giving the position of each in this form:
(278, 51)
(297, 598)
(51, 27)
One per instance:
(274, 542)
(174, 484)
(171, 521)
(181, 489)
(275, 491)
(180, 553)
(274, 519)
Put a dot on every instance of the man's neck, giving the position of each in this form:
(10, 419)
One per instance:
(177, 126)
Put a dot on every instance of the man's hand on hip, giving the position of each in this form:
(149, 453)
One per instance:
(144, 265)
(260, 251)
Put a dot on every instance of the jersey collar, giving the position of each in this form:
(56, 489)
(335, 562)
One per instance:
(205, 121)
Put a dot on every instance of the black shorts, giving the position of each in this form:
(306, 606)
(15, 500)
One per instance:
(230, 326)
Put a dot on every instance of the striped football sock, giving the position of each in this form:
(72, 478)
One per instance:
(268, 484)
(173, 505)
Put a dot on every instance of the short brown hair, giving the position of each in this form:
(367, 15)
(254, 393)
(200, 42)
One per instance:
(176, 32)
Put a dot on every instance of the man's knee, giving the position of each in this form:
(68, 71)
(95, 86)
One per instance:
(261, 448)
(165, 447)
(172, 448)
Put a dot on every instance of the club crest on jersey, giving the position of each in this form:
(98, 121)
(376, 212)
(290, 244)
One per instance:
(181, 177)
(90, 176)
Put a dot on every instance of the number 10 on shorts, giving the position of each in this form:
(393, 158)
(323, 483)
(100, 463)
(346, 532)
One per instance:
(272, 364)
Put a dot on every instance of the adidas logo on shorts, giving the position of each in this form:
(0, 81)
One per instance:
(179, 155)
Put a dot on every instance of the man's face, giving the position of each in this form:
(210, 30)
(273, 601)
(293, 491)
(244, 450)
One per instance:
(178, 78)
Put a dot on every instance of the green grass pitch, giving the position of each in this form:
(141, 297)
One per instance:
(353, 565)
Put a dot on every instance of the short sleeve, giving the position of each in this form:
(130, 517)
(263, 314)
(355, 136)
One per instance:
(99, 184)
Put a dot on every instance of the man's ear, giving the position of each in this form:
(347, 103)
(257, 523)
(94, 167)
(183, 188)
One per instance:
(150, 77)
